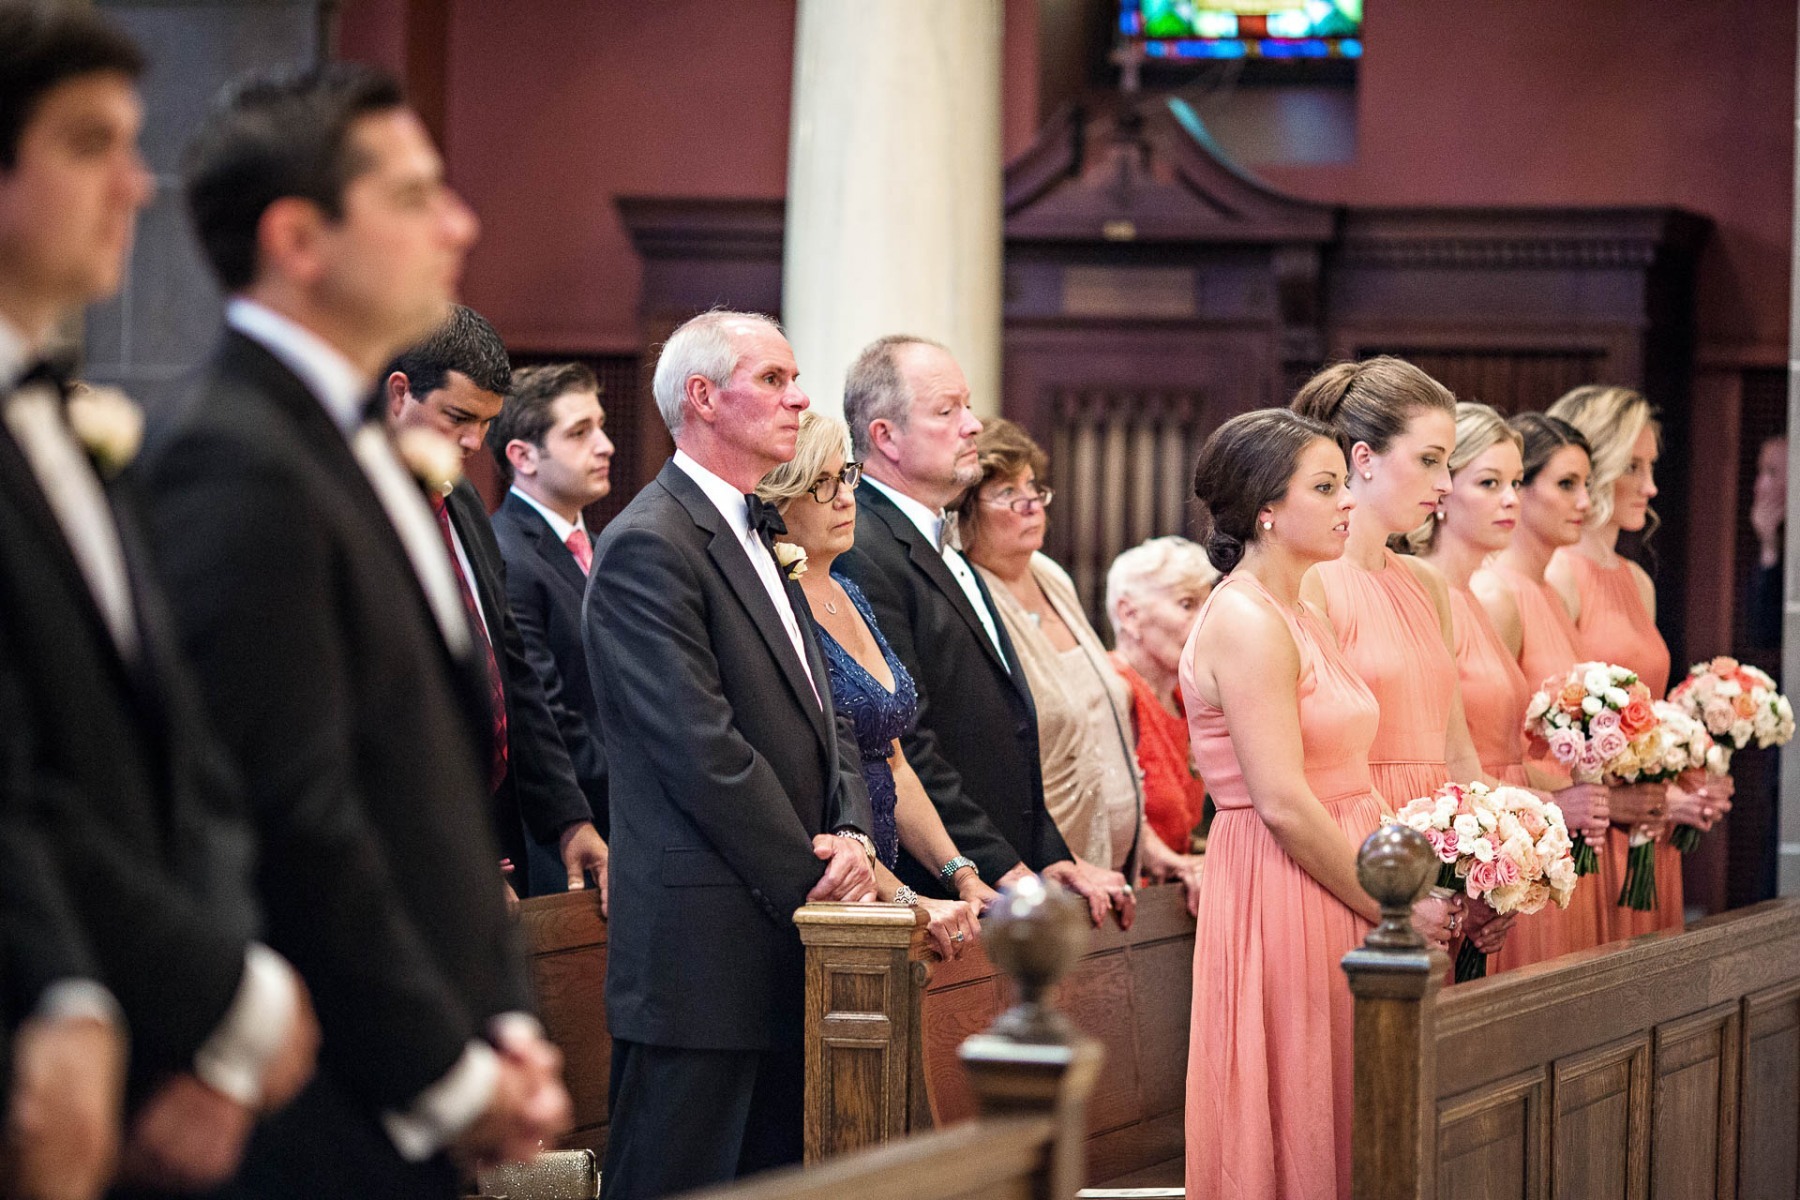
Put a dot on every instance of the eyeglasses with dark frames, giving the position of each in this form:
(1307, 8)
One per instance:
(826, 489)
(1038, 497)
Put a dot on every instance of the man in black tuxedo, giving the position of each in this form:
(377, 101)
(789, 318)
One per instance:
(736, 795)
(975, 746)
(453, 384)
(125, 904)
(316, 599)
(550, 441)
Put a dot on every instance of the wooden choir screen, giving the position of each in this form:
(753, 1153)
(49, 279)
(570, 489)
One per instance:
(1506, 379)
(1122, 464)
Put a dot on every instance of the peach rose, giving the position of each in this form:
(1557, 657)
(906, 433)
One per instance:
(1743, 705)
(1722, 665)
(1637, 716)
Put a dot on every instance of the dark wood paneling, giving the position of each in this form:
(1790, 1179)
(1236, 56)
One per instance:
(1694, 1128)
(1600, 1118)
(565, 936)
(1769, 1125)
(1491, 1143)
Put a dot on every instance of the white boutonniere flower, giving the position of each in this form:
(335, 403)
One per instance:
(108, 424)
(432, 457)
(791, 559)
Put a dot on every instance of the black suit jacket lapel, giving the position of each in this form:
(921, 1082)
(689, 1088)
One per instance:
(20, 482)
(532, 524)
(733, 561)
(926, 557)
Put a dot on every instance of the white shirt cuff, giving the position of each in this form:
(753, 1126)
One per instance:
(261, 1017)
(510, 1025)
(79, 999)
(441, 1112)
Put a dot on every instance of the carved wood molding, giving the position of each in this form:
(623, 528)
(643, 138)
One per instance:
(1509, 239)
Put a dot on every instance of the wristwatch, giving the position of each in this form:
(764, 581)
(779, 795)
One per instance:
(948, 870)
(861, 838)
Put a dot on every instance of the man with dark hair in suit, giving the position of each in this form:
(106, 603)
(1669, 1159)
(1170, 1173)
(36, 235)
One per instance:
(453, 384)
(550, 441)
(975, 746)
(736, 790)
(123, 846)
(316, 598)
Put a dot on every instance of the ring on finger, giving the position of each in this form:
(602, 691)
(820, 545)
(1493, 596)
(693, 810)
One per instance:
(957, 936)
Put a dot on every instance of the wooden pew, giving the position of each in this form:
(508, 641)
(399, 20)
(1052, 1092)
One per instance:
(565, 938)
(884, 1018)
(1668, 1067)
(1031, 1075)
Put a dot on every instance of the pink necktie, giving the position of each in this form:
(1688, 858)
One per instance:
(581, 548)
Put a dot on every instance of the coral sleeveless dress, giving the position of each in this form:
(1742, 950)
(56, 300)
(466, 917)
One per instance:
(1269, 1050)
(1391, 634)
(1493, 688)
(1615, 627)
(1546, 648)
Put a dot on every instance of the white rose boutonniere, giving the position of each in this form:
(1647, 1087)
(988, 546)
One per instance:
(791, 559)
(432, 457)
(108, 424)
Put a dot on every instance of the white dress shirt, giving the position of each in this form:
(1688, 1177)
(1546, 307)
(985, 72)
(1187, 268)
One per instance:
(440, 1113)
(931, 524)
(736, 510)
(558, 524)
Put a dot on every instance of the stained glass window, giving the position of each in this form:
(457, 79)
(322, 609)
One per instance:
(1273, 29)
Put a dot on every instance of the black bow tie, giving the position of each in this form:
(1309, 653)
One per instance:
(58, 373)
(765, 518)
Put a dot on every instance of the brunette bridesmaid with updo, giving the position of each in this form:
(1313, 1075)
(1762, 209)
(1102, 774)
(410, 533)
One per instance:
(1496, 510)
(1614, 603)
(1391, 613)
(1281, 727)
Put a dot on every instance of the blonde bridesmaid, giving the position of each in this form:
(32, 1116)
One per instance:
(1513, 501)
(1614, 603)
(1281, 727)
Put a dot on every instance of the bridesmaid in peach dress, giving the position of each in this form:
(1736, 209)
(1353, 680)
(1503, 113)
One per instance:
(1391, 614)
(1513, 504)
(1281, 727)
(1614, 603)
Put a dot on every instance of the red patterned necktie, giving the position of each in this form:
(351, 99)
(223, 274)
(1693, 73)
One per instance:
(581, 548)
(496, 688)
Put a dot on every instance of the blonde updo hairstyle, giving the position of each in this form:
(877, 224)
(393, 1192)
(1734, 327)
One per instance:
(1478, 430)
(1611, 419)
(819, 437)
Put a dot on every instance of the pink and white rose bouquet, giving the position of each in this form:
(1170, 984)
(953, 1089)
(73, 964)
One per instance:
(1598, 722)
(1737, 705)
(1505, 845)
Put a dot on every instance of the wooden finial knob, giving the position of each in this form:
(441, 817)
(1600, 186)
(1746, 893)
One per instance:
(1035, 933)
(1396, 867)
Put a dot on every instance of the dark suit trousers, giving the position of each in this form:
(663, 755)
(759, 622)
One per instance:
(685, 1119)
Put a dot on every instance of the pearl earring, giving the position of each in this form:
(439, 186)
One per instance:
(1268, 524)
(1439, 514)
(1367, 475)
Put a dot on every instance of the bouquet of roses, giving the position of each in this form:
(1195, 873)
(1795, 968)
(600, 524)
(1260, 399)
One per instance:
(1504, 845)
(1686, 746)
(1597, 721)
(1737, 703)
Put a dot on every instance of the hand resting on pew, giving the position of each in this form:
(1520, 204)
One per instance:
(848, 876)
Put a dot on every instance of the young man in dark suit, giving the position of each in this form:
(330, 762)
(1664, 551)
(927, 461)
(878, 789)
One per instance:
(453, 384)
(318, 603)
(736, 795)
(551, 444)
(975, 746)
(125, 902)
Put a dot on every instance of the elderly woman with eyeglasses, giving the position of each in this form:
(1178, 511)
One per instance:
(1085, 744)
(816, 496)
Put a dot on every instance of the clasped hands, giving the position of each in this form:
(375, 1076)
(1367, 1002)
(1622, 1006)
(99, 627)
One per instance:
(848, 874)
(529, 1106)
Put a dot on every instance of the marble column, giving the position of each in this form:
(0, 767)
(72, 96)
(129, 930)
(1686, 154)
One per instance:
(894, 186)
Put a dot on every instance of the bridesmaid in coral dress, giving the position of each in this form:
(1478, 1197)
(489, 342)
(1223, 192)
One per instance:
(1391, 614)
(1540, 472)
(1614, 603)
(1281, 727)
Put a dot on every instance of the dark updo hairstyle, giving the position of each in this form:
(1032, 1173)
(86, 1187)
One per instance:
(1244, 467)
(1371, 401)
(1544, 436)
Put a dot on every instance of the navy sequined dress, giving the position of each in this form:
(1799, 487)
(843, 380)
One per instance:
(879, 716)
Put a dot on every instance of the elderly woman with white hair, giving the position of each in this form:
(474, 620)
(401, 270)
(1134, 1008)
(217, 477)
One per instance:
(1154, 593)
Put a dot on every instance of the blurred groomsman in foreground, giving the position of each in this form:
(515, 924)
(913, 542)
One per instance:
(551, 443)
(315, 595)
(453, 384)
(125, 901)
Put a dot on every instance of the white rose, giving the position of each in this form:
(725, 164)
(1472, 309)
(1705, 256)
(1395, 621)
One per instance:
(1539, 703)
(1741, 732)
(1591, 705)
(1467, 829)
(1483, 850)
(1617, 697)
(1597, 680)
